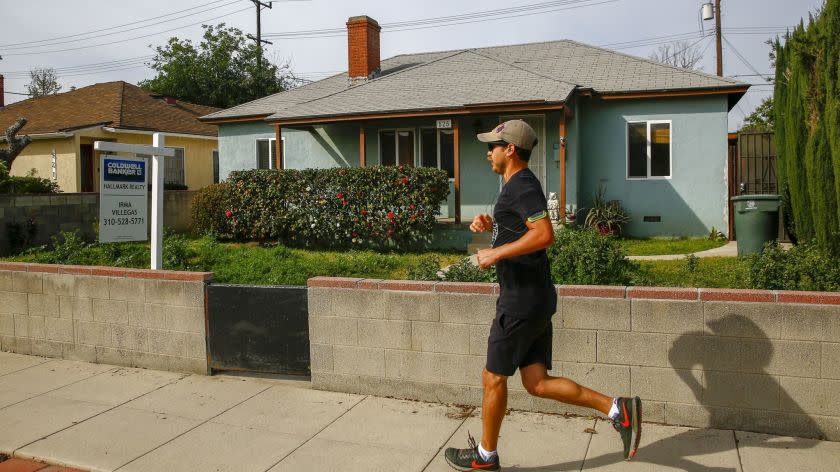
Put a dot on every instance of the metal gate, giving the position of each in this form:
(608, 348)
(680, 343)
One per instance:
(756, 164)
(258, 329)
(756, 169)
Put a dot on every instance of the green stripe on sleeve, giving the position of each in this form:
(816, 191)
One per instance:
(537, 216)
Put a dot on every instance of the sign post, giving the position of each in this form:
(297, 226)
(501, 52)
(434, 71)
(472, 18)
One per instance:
(115, 205)
(158, 141)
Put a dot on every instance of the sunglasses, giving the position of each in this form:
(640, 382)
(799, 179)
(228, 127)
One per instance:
(491, 146)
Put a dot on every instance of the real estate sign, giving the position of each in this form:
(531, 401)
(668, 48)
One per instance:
(123, 205)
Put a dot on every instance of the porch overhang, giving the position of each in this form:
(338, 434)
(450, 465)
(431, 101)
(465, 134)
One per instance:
(467, 109)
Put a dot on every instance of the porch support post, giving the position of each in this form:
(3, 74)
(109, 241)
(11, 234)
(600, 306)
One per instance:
(562, 165)
(456, 137)
(362, 159)
(278, 150)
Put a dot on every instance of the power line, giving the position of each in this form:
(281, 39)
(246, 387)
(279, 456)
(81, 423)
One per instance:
(121, 31)
(130, 39)
(741, 57)
(437, 22)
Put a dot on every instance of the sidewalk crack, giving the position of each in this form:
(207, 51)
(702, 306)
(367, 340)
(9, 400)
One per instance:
(57, 388)
(586, 452)
(316, 434)
(14, 453)
(737, 451)
(448, 439)
(193, 428)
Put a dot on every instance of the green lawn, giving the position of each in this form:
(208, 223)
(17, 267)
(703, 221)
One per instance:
(252, 263)
(711, 272)
(234, 263)
(658, 246)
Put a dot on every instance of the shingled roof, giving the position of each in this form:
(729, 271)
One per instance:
(537, 72)
(113, 104)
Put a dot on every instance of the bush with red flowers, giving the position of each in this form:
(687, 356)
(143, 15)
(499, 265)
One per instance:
(371, 207)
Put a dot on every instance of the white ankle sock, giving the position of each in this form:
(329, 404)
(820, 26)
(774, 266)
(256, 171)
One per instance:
(486, 455)
(613, 414)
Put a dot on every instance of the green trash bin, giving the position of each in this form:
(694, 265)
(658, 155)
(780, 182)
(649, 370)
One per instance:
(756, 221)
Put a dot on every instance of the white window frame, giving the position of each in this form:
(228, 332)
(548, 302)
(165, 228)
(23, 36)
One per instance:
(272, 142)
(670, 150)
(418, 159)
(397, 143)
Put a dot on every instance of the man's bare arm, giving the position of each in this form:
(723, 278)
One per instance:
(540, 235)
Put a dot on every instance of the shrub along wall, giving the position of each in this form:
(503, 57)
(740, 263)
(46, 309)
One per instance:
(754, 360)
(329, 208)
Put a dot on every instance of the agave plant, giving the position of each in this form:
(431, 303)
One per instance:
(606, 216)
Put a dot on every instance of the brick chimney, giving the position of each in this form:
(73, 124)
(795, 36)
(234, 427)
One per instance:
(2, 92)
(362, 48)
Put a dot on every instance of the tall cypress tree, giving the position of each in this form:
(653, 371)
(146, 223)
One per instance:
(807, 98)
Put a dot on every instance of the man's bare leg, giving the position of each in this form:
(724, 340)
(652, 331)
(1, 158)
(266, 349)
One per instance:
(493, 408)
(536, 380)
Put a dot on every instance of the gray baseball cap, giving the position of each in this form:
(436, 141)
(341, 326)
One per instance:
(516, 132)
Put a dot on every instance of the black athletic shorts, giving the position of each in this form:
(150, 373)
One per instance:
(518, 342)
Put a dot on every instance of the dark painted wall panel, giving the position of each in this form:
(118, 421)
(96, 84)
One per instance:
(261, 329)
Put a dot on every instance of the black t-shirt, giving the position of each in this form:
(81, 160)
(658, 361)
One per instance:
(525, 281)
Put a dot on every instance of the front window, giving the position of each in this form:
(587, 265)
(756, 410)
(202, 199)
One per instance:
(437, 149)
(649, 150)
(174, 168)
(396, 147)
(266, 154)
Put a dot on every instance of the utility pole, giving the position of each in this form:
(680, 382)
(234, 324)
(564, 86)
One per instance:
(260, 5)
(717, 39)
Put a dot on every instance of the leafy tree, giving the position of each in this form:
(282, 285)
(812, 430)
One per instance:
(43, 82)
(762, 118)
(678, 54)
(222, 70)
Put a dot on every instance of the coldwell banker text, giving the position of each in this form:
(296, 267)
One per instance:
(124, 171)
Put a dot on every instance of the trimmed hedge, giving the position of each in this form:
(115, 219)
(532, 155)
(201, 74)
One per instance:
(371, 207)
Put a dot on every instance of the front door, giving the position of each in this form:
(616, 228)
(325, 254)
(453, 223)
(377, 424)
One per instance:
(537, 162)
(87, 166)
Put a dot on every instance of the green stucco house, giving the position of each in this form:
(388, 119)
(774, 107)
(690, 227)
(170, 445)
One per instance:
(654, 136)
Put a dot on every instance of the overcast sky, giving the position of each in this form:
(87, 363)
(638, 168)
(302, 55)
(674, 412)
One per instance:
(29, 32)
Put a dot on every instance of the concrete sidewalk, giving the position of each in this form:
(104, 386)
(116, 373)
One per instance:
(100, 417)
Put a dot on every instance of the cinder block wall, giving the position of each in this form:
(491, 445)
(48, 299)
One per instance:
(751, 360)
(129, 317)
(46, 215)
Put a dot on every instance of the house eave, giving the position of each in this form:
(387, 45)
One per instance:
(234, 119)
(151, 132)
(467, 109)
(673, 93)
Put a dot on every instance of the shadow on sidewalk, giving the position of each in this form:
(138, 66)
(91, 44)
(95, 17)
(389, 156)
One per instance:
(735, 377)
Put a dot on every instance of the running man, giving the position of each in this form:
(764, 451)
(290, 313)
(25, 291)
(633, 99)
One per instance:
(520, 336)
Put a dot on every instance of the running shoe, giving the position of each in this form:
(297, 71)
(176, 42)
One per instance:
(469, 458)
(629, 424)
